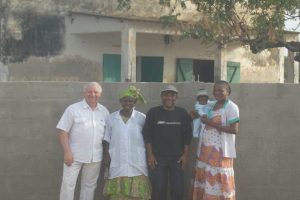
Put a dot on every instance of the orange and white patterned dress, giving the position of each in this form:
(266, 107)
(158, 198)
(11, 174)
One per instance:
(214, 175)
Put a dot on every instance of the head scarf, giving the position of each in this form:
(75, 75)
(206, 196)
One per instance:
(132, 91)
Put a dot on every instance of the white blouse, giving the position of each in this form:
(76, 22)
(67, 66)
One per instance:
(126, 145)
(229, 115)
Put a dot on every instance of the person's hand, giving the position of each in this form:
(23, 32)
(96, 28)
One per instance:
(183, 160)
(204, 119)
(194, 114)
(68, 158)
(151, 161)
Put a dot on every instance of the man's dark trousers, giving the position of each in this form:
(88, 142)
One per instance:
(167, 170)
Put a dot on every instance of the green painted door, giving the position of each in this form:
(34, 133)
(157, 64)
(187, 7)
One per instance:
(152, 69)
(111, 68)
(184, 70)
(233, 72)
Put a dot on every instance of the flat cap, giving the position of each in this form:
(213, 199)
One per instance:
(170, 88)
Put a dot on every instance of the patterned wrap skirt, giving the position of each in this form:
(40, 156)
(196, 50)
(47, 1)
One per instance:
(128, 188)
(214, 175)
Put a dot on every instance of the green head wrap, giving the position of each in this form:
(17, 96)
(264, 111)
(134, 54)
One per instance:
(132, 91)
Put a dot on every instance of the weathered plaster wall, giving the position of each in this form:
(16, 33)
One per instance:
(266, 168)
(255, 68)
(36, 28)
(263, 67)
(93, 46)
(29, 33)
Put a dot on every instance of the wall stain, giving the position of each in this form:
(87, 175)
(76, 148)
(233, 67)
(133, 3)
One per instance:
(41, 35)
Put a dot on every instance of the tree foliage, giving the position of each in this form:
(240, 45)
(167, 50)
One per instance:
(257, 23)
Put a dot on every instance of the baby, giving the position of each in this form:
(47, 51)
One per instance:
(202, 107)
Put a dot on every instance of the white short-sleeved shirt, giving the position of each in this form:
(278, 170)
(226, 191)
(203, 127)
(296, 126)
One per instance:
(86, 130)
(230, 116)
(126, 145)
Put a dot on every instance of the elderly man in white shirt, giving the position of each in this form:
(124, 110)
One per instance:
(81, 131)
(128, 175)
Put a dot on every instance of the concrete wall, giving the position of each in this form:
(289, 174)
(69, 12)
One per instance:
(59, 68)
(267, 166)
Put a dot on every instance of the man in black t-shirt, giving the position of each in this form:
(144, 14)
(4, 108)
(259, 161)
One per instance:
(167, 133)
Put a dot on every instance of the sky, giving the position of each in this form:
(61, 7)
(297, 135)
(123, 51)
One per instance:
(292, 24)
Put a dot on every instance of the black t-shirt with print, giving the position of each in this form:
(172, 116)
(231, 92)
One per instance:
(167, 131)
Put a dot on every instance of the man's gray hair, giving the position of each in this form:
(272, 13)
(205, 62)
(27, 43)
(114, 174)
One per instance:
(90, 84)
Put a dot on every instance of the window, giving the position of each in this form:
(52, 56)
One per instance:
(233, 72)
(151, 69)
(111, 68)
(194, 70)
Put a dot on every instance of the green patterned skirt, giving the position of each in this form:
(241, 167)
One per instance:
(128, 188)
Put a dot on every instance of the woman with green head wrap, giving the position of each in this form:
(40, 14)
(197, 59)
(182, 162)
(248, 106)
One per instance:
(133, 92)
(124, 151)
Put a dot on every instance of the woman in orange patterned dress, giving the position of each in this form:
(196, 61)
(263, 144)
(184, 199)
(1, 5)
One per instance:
(214, 175)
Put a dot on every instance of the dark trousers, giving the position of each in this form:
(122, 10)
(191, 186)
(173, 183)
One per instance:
(167, 171)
